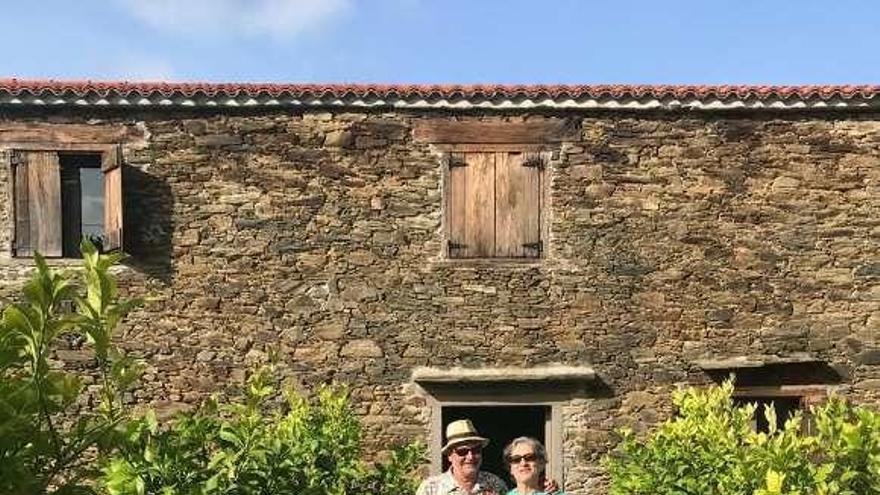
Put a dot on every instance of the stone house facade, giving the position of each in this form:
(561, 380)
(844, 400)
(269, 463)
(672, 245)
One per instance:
(550, 260)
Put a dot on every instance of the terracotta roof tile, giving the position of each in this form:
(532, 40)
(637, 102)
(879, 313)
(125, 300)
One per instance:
(152, 90)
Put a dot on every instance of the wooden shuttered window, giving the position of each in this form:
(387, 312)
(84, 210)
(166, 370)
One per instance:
(46, 203)
(494, 204)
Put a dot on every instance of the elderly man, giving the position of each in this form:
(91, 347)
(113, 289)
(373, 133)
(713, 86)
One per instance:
(464, 449)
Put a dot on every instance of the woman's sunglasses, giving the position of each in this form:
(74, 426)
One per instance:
(515, 459)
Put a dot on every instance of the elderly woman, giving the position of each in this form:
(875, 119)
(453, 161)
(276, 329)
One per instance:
(527, 459)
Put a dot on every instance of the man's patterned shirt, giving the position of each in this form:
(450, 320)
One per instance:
(444, 484)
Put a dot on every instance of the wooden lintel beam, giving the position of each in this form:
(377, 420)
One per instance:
(495, 131)
(13, 132)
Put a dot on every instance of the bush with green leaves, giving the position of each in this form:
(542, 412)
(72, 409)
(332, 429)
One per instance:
(46, 443)
(255, 446)
(710, 448)
(57, 438)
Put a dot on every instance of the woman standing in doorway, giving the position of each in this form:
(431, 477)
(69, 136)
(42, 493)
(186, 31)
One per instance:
(526, 457)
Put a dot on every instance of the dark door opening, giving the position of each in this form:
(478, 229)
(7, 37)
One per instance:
(500, 424)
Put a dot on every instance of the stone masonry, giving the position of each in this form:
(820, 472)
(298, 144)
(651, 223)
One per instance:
(674, 237)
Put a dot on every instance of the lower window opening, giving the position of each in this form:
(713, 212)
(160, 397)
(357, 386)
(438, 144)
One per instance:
(785, 407)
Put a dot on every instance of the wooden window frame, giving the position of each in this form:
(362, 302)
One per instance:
(534, 133)
(103, 138)
(110, 160)
(807, 396)
(448, 150)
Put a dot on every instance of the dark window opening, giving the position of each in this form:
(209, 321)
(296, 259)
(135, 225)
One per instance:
(785, 407)
(82, 202)
(500, 424)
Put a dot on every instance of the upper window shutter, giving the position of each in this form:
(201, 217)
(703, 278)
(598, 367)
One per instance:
(471, 207)
(43, 202)
(111, 166)
(518, 204)
(479, 230)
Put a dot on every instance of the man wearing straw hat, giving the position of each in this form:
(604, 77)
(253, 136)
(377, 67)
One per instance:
(464, 450)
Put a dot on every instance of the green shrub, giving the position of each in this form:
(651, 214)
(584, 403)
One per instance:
(253, 447)
(53, 442)
(711, 449)
(849, 441)
(42, 448)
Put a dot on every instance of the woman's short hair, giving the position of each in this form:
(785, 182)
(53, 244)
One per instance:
(537, 447)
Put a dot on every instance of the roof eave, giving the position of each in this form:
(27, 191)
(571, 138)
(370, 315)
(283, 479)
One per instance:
(502, 102)
(48, 93)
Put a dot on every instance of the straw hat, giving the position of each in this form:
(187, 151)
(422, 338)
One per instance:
(462, 431)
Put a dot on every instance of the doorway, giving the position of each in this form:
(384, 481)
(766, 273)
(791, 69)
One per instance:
(500, 424)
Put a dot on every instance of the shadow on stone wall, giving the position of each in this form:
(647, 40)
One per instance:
(148, 224)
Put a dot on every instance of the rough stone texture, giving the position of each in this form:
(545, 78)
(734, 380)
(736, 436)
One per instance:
(673, 238)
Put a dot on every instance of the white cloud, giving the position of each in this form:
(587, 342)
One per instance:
(281, 19)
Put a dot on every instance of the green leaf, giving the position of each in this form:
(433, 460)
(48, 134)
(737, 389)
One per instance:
(774, 481)
(230, 437)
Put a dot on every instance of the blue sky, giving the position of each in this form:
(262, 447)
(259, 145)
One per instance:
(445, 41)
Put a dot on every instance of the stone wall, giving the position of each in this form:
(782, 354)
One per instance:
(673, 238)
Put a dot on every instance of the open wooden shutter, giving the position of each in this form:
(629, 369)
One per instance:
(518, 205)
(111, 166)
(22, 215)
(41, 179)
